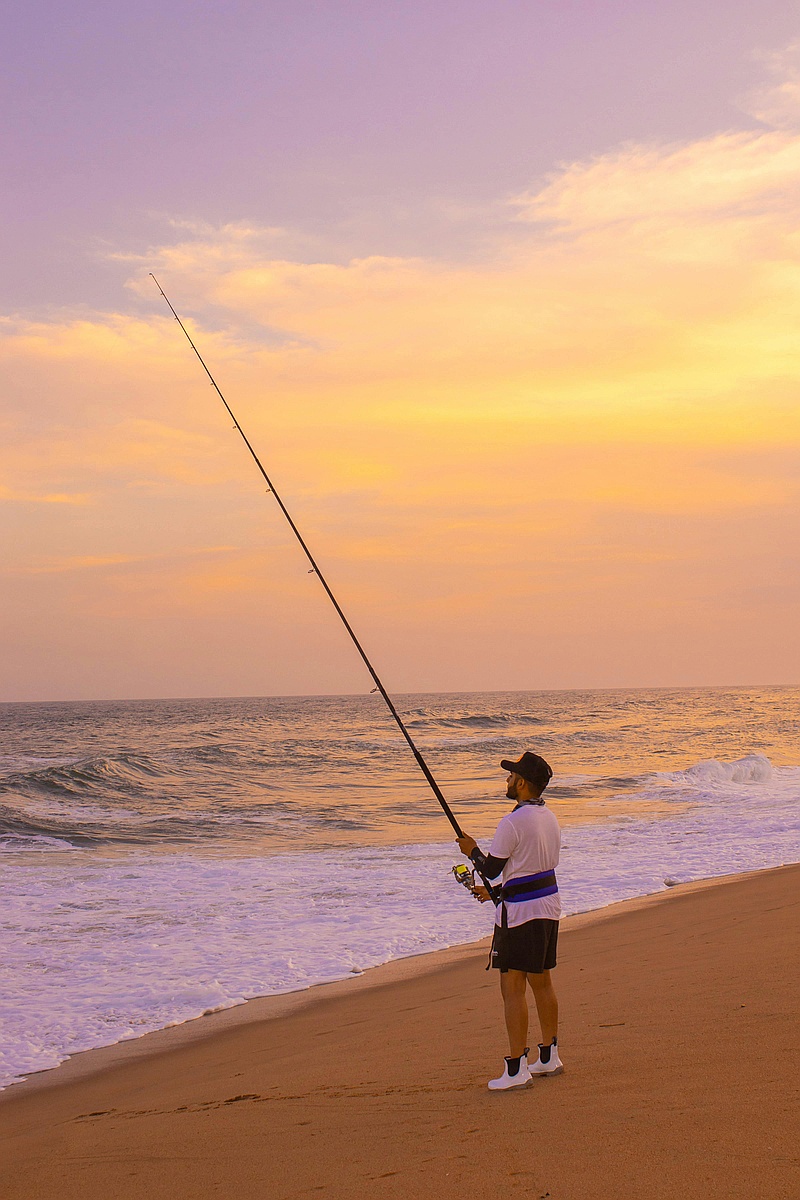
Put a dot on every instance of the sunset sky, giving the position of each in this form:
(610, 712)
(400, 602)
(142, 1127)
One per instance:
(506, 295)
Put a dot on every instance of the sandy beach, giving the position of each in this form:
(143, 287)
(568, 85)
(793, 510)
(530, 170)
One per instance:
(678, 1033)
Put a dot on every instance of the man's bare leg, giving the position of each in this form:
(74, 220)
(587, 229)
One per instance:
(546, 1004)
(515, 1004)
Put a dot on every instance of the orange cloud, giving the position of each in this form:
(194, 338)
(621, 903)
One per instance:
(48, 498)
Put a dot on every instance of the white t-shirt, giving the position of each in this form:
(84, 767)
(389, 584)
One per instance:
(530, 838)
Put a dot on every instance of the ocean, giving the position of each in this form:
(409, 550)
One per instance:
(163, 859)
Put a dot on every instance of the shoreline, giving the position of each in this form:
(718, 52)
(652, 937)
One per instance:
(85, 1063)
(678, 1034)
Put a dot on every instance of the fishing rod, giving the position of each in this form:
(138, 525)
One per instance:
(423, 766)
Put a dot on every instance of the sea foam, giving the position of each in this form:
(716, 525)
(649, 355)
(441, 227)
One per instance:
(99, 946)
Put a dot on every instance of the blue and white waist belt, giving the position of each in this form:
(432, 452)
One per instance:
(529, 887)
(524, 887)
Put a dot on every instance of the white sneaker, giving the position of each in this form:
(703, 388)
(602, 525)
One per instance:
(548, 1062)
(506, 1081)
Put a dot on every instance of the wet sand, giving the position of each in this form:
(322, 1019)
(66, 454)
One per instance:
(679, 1034)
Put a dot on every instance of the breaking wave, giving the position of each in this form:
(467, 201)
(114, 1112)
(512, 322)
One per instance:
(83, 776)
(753, 768)
(129, 800)
(479, 721)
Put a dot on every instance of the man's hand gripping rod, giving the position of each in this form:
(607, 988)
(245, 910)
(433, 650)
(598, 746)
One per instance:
(423, 766)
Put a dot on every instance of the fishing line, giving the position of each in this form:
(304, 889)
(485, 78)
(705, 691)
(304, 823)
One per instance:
(423, 766)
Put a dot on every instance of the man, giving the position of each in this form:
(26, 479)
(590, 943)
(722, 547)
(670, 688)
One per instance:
(524, 852)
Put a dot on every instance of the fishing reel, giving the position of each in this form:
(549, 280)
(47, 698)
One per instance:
(465, 877)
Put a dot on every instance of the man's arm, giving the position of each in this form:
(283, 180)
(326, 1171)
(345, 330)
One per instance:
(487, 864)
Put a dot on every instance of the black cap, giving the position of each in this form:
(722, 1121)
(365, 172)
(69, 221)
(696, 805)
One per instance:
(531, 767)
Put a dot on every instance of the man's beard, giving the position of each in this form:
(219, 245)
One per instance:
(511, 792)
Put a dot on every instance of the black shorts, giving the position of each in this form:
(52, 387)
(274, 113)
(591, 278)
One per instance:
(530, 947)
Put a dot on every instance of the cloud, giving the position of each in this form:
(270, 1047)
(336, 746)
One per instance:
(600, 420)
(67, 564)
(730, 175)
(79, 498)
(777, 103)
(59, 566)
